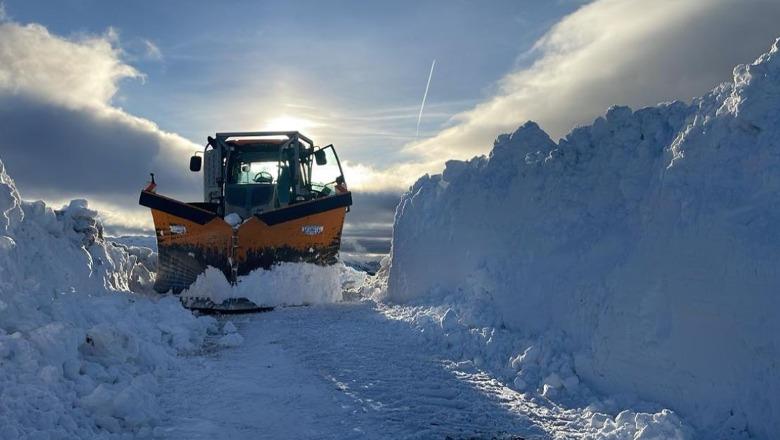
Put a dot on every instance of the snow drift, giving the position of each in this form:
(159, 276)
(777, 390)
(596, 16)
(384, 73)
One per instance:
(79, 353)
(646, 242)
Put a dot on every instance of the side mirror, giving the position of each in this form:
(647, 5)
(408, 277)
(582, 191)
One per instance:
(195, 163)
(320, 158)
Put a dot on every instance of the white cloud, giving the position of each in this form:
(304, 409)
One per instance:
(395, 178)
(77, 74)
(63, 137)
(610, 52)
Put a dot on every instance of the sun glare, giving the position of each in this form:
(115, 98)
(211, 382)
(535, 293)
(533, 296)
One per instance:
(290, 123)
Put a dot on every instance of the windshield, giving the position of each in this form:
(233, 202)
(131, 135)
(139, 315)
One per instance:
(253, 168)
(255, 172)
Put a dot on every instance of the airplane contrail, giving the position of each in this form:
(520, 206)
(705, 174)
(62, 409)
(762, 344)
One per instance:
(425, 95)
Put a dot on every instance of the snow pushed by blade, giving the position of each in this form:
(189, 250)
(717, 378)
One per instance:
(80, 353)
(639, 252)
(285, 284)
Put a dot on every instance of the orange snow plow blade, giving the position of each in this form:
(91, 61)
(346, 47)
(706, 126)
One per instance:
(190, 238)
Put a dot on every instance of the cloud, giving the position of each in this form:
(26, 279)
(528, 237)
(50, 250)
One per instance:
(609, 52)
(393, 178)
(54, 150)
(63, 138)
(61, 135)
(370, 222)
(151, 51)
(75, 74)
(376, 211)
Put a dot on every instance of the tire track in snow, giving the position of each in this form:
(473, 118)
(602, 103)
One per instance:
(344, 371)
(395, 384)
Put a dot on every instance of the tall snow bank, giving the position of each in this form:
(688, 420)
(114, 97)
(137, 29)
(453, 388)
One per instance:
(79, 353)
(648, 240)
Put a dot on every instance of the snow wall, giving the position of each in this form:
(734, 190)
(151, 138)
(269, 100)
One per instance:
(80, 354)
(650, 240)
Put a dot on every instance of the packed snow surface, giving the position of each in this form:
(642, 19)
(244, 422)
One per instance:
(363, 370)
(637, 254)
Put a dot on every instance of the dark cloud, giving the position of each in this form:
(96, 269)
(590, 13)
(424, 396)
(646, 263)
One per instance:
(369, 224)
(372, 208)
(363, 245)
(57, 152)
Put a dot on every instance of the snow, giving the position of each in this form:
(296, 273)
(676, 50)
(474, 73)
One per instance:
(231, 340)
(637, 256)
(543, 383)
(84, 357)
(80, 355)
(288, 284)
(449, 321)
(336, 371)
(228, 327)
(136, 241)
(360, 370)
(233, 219)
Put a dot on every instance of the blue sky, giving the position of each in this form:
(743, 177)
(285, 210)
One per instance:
(106, 92)
(357, 67)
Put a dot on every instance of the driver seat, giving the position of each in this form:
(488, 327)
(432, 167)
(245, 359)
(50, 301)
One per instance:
(283, 186)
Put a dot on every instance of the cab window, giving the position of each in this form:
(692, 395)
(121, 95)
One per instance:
(255, 172)
(324, 175)
(254, 168)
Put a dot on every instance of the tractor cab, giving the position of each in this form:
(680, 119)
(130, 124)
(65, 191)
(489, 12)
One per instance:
(249, 173)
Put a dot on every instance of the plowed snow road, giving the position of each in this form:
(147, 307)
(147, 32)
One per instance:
(339, 371)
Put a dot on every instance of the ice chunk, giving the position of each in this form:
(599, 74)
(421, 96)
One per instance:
(231, 340)
(233, 219)
(229, 327)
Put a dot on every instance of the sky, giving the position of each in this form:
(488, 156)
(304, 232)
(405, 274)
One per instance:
(94, 95)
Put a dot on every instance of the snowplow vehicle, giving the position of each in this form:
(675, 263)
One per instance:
(268, 198)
